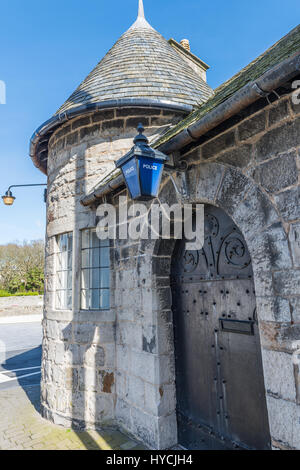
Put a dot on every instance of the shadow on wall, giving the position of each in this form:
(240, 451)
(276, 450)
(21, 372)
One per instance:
(84, 380)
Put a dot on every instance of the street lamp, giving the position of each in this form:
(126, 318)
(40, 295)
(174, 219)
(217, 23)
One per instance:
(142, 168)
(9, 198)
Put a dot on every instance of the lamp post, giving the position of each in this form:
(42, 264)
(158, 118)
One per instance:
(9, 198)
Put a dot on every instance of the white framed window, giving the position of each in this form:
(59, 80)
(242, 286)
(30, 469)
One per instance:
(64, 271)
(95, 272)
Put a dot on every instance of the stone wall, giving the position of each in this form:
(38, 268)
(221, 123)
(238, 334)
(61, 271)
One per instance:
(145, 380)
(79, 370)
(145, 365)
(27, 305)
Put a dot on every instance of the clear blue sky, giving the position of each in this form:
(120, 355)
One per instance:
(48, 47)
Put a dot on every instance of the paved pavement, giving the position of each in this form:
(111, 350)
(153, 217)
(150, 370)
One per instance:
(21, 425)
(22, 428)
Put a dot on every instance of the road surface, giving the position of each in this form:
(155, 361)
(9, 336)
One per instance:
(20, 354)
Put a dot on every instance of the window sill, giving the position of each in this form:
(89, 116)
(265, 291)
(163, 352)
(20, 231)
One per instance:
(81, 316)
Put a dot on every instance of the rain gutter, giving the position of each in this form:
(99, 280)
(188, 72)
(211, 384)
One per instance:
(44, 132)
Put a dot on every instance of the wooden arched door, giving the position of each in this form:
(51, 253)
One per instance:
(219, 377)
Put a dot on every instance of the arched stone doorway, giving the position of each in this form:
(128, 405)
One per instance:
(219, 377)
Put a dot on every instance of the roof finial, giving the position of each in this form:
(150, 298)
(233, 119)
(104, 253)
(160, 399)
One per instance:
(140, 22)
(141, 13)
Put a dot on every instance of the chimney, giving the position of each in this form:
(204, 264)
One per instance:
(186, 44)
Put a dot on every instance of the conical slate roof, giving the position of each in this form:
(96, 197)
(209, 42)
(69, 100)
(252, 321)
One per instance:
(141, 69)
(142, 65)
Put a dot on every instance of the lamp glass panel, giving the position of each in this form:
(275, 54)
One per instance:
(150, 176)
(8, 200)
(131, 175)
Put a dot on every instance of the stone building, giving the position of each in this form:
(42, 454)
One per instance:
(177, 347)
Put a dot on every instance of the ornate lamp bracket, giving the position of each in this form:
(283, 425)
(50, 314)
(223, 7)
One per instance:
(177, 175)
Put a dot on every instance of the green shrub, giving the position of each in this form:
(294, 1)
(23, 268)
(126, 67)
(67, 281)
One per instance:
(4, 293)
(35, 280)
(26, 294)
(14, 285)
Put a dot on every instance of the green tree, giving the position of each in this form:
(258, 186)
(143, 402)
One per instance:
(34, 280)
(22, 267)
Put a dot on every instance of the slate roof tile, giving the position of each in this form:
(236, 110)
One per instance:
(141, 63)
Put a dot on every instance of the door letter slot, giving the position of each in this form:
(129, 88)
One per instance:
(237, 326)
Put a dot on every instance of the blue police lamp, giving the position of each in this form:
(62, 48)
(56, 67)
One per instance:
(142, 168)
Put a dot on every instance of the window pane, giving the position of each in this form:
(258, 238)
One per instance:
(95, 275)
(85, 299)
(95, 279)
(85, 239)
(105, 278)
(85, 275)
(63, 299)
(69, 299)
(64, 260)
(61, 280)
(70, 260)
(64, 243)
(95, 240)
(58, 262)
(69, 280)
(59, 243)
(85, 258)
(104, 299)
(65, 304)
(95, 258)
(95, 299)
(104, 243)
(70, 243)
(59, 301)
(105, 257)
